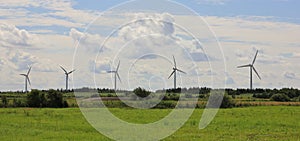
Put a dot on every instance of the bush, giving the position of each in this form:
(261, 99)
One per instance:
(264, 95)
(17, 103)
(296, 99)
(171, 96)
(227, 102)
(280, 97)
(55, 99)
(216, 97)
(52, 98)
(35, 99)
(141, 92)
(166, 105)
(4, 101)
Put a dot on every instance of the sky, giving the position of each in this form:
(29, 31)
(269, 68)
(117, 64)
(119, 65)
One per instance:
(208, 38)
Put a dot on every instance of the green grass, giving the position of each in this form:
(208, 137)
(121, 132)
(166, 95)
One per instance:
(252, 123)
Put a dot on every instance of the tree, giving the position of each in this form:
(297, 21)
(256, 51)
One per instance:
(4, 101)
(280, 97)
(55, 99)
(217, 97)
(141, 92)
(227, 102)
(34, 99)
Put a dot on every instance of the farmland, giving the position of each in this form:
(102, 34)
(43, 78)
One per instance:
(250, 123)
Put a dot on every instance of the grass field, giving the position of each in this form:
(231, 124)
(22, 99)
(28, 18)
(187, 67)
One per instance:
(251, 123)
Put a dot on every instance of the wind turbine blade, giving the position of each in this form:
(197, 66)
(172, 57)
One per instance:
(174, 61)
(63, 69)
(256, 73)
(255, 57)
(181, 71)
(118, 76)
(244, 66)
(71, 71)
(171, 74)
(118, 66)
(28, 80)
(23, 74)
(28, 71)
(109, 71)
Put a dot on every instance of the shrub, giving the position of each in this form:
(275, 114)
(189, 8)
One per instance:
(264, 95)
(202, 96)
(280, 97)
(34, 99)
(166, 105)
(55, 99)
(52, 98)
(141, 92)
(227, 102)
(296, 99)
(4, 101)
(216, 97)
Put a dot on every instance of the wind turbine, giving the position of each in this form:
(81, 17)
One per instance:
(26, 79)
(116, 75)
(67, 75)
(175, 69)
(251, 66)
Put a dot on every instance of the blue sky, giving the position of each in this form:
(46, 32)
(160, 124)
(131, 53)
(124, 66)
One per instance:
(45, 34)
(279, 9)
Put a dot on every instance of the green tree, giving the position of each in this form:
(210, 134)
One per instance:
(227, 102)
(4, 101)
(34, 99)
(141, 92)
(217, 97)
(55, 99)
(280, 97)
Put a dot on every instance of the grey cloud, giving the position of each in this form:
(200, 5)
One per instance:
(21, 60)
(101, 66)
(229, 79)
(290, 75)
(11, 36)
(147, 24)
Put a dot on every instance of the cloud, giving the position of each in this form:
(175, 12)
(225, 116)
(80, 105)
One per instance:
(211, 2)
(147, 24)
(31, 13)
(91, 42)
(262, 56)
(290, 75)
(11, 36)
(100, 66)
(21, 60)
(277, 41)
(229, 80)
(290, 55)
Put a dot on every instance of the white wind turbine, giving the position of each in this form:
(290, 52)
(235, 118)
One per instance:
(67, 76)
(27, 79)
(251, 66)
(175, 69)
(116, 74)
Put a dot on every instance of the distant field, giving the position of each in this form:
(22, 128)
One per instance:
(251, 123)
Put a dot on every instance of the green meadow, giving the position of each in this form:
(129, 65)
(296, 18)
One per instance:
(251, 123)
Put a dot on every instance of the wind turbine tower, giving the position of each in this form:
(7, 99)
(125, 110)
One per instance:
(252, 68)
(175, 69)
